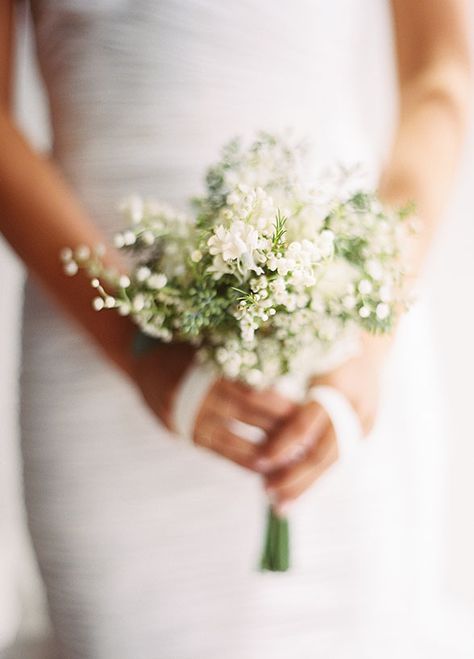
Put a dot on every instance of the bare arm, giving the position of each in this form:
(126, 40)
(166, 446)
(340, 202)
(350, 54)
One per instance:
(39, 215)
(434, 74)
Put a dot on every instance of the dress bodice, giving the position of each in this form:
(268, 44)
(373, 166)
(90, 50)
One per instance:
(143, 93)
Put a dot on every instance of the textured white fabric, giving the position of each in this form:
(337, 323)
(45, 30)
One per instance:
(343, 417)
(189, 398)
(149, 549)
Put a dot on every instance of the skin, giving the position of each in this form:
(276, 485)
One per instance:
(432, 50)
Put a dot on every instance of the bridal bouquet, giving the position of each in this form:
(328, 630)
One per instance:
(271, 261)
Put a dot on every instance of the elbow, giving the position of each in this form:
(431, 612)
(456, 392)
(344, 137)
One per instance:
(447, 85)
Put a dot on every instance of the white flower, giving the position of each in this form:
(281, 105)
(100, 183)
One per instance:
(219, 267)
(382, 310)
(385, 293)
(129, 238)
(82, 253)
(326, 243)
(284, 266)
(138, 302)
(233, 243)
(365, 287)
(119, 241)
(66, 254)
(142, 273)
(134, 207)
(278, 285)
(374, 269)
(71, 268)
(157, 281)
(254, 377)
(124, 308)
(336, 276)
(238, 244)
(232, 365)
(148, 237)
(297, 291)
(222, 355)
(249, 358)
(349, 302)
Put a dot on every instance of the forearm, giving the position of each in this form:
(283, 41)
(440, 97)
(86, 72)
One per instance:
(422, 163)
(426, 149)
(39, 216)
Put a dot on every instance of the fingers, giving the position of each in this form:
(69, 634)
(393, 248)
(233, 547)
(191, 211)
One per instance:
(294, 438)
(290, 482)
(267, 402)
(217, 438)
(263, 409)
(227, 401)
(230, 409)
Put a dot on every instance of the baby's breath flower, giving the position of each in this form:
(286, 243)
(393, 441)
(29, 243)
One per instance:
(374, 269)
(124, 308)
(157, 280)
(385, 293)
(382, 310)
(138, 302)
(142, 273)
(66, 254)
(124, 281)
(119, 240)
(289, 262)
(349, 302)
(365, 287)
(129, 238)
(71, 268)
(82, 253)
(148, 237)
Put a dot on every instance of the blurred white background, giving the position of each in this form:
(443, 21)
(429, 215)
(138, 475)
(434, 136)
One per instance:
(449, 278)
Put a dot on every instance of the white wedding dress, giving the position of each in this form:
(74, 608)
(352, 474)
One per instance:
(149, 547)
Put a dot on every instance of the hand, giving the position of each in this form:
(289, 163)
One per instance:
(158, 375)
(266, 410)
(305, 446)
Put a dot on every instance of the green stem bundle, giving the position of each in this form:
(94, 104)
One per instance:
(276, 549)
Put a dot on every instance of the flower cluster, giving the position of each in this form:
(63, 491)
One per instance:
(268, 263)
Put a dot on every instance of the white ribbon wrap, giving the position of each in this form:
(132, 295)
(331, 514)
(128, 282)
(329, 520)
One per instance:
(343, 417)
(190, 396)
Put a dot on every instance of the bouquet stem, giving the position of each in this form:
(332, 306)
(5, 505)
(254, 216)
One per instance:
(276, 549)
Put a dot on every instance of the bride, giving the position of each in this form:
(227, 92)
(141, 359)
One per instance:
(147, 546)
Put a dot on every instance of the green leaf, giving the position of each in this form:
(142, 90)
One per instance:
(142, 343)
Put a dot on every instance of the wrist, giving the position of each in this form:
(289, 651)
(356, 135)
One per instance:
(377, 347)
